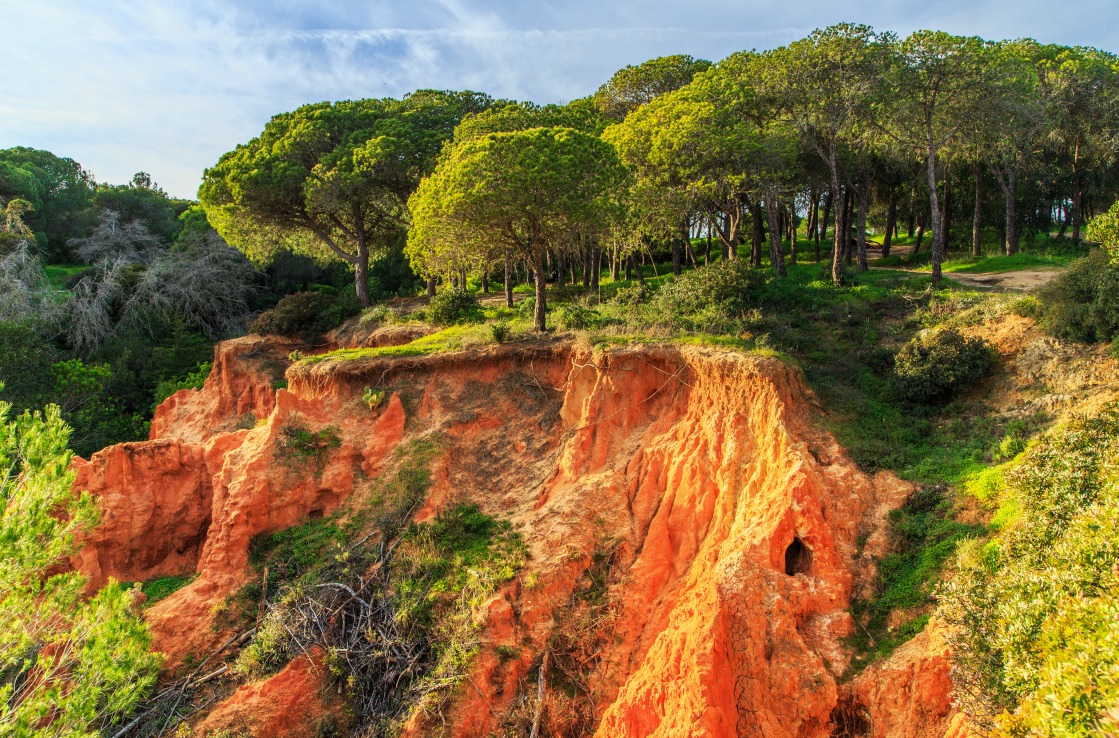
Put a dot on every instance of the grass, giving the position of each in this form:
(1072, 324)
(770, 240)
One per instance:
(453, 338)
(924, 536)
(163, 587)
(60, 274)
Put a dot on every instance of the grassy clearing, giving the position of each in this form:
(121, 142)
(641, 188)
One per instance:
(60, 275)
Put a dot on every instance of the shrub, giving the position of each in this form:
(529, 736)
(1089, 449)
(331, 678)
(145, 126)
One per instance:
(726, 284)
(303, 445)
(634, 294)
(306, 315)
(500, 331)
(1032, 612)
(1083, 303)
(578, 318)
(192, 380)
(452, 307)
(935, 366)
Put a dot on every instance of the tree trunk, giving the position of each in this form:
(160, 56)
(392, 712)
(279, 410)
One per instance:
(848, 214)
(485, 282)
(891, 224)
(945, 213)
(860, 236)
(629, 267)
(596, 265)
(837, 246)
(1077, 195)
(614, 265)
(976, 218)
(361, 275)
(677, 246)
(431, 286)
(541, 313)
(822, 224)
(1011, 213)
(920, 233)
(934, 208)
(508, 278)
(707, 253)
(637, 269)
(756, 234)
(792, 235)
(773, 215)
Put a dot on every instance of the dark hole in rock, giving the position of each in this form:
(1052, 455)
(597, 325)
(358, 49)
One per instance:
(798, 558)
(315, 514)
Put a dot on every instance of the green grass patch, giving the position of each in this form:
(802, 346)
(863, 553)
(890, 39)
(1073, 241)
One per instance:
(59, 275)
(163, 587)
(924, 536)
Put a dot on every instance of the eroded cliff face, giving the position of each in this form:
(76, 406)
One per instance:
(730, 520)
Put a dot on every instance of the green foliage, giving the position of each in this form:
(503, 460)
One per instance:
(453, 306)
(1032, 611)
(162, 587)
(332, 179)
(923, 536)
(1082, 304)
(89, 658)
(712, 298)
(935, 366)
(193, 380)
(295, 551)
(500, 331)
(373, 397)
(1104, 229)
(634, 86)
(302, 445)
(575, 317)
(306, 315)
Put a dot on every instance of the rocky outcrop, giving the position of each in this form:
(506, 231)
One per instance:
(730, 518)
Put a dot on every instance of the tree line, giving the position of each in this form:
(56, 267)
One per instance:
(849, 127)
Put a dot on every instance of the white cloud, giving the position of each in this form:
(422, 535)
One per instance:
(167, 88)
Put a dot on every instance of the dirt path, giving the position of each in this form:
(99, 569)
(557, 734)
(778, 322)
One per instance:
(1026, 280)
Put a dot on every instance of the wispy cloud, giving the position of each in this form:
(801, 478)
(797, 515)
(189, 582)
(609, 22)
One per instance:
(167, 87)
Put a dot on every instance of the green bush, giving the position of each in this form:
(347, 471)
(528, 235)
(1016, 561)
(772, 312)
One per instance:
(1032, 612)
(634, 294)
(1083, 303)
(727, 285)
(500, 331)
(578, 318)
(193, 380)
(935, 366)
(452, 307)
(306, 315)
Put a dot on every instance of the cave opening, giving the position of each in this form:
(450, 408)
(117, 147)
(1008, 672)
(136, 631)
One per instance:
(798, 558)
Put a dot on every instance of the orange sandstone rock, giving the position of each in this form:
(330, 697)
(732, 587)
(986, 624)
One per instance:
(732, 520)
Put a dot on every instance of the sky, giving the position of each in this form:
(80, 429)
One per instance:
(167, 87)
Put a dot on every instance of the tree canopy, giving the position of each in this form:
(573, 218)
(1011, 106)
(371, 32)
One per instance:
(332, 179)
(530, 190)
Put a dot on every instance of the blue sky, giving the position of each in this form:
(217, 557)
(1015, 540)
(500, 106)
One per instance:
(167, 87)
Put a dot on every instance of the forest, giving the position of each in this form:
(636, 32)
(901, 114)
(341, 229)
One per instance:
(824, 203)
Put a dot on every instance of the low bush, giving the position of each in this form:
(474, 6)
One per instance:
(1032, 612)
(727, 284)
(452, 307)
(1083, 303)
(192, 380)
(306, 315)
(935, 366)
(500, 331)
(578, 318)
